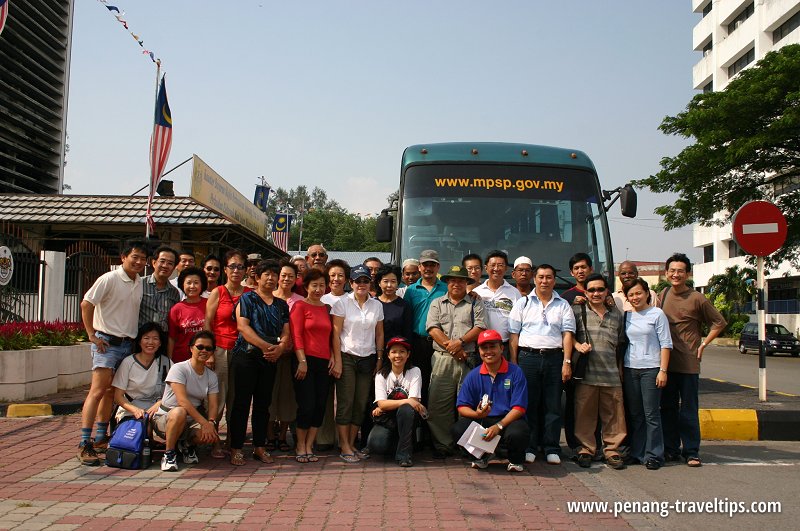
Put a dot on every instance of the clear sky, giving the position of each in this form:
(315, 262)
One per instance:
(329, 93)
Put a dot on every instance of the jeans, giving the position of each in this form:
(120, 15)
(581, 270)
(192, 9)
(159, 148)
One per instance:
(543, 375)
(514, 437)
(679, 414)
(642, 399)
(382, 440)
(254, 377)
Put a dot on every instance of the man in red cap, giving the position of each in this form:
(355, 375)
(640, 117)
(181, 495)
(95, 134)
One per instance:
(495, 395)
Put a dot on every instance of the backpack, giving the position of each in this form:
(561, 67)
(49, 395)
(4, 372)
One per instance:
(127, 445)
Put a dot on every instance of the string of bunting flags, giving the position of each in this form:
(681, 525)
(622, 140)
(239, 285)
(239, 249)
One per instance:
(119, 16)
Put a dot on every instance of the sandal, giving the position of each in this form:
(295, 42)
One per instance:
(218, 453)
(693, 462)
(237, 458)
(263, 456)
(349, 458)
(302, 458)
(272, 445)
(312, 458)
(283, 446)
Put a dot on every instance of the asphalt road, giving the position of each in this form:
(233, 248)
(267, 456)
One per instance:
(727, 363)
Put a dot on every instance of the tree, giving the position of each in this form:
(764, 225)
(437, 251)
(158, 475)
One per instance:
(747, 141)
(736, 285)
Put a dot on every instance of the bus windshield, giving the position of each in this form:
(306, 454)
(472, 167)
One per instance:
(542, 212)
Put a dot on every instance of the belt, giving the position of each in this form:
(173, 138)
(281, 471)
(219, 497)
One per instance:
(114, 340)
(542, 351)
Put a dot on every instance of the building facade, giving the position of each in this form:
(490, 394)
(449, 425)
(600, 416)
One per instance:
(34, 79)
(732, 35)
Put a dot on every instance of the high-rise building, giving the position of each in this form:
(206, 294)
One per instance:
(732, 35)
(34, 80)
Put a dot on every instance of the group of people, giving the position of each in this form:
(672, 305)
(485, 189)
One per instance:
(379, 359)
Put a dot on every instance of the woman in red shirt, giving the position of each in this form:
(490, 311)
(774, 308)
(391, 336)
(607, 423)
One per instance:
(221, 321)
(188, 316)
(313, 364)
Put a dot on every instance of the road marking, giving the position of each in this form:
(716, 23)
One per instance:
(747, 386)
(785, 394)
(718, 380)
(759, 228)
(763, 463)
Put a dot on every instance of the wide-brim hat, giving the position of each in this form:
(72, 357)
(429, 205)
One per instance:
(458, 271)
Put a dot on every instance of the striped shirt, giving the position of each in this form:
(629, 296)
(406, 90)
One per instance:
(604, 334)
(156, 303)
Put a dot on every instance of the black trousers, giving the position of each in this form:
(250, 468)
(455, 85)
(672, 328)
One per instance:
(311, 393)
(254, 377)
(421, 354)
(514, 437)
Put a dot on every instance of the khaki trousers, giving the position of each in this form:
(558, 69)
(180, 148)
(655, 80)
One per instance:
(594, 400)
(447, 375)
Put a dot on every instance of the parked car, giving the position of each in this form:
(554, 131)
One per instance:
(779, 339)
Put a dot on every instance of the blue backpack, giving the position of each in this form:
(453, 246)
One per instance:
(127, 444)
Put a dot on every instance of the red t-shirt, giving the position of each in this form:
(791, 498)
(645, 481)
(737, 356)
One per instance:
(311, 329)
(185, 319)
(224, 323)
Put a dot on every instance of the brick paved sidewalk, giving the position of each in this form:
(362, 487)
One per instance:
(43, 486)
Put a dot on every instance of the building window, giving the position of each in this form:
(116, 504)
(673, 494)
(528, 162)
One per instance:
(734, 250)
(707, 48)
(708, 87)
(708, 254)
(746, 13)
(742, 62)
(707, 8)
(785, 184)
(786, 28)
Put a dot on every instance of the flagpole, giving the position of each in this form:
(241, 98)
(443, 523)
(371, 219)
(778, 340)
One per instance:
(152, 192)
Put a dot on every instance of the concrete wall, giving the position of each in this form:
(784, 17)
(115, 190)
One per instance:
(26, 374)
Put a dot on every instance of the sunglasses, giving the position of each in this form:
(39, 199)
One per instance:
(208, 348)
(317, 255)
(362, 280)
(595, 290)
(236, 267)
(211, 268)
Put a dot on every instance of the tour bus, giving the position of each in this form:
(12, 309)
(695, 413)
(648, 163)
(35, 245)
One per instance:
(527, 200)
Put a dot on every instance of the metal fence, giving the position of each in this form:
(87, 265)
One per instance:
(21, 298)
(85, 263)
(788, 306)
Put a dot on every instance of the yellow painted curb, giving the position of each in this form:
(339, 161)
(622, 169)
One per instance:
(729, 424)
(29, 410)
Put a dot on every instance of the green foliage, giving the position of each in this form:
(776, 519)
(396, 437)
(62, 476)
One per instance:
(736, 325)
(734, 288)
(27, 335)
(745, 136)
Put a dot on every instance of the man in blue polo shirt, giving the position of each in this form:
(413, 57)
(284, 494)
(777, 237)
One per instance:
(419, 296)
(506, 390)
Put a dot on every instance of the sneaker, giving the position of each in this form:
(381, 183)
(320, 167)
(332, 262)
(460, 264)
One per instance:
(188, 453)
(553, 459)
(584, 460)
(512, 467)
(405, 463)
(615, 462)
(87, 456)
(530, 457)
(482, 463)
(169, 463)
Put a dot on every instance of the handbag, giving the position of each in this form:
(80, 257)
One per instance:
(389, 418)
(127, 444)
(366, 364)
(579, 370)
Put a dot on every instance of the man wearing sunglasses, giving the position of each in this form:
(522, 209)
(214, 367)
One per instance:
(600, 336)
(541, 326)
(158, 293)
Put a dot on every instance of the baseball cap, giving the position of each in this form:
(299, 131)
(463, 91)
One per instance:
(254, 257)
(429, 255)
(360, 271)
(399, 340)
(489, 335)
(523, 260)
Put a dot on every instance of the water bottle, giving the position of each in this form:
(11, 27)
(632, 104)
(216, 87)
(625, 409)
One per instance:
(146, 458)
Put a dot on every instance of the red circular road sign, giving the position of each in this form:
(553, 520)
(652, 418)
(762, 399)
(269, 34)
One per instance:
(759, 228)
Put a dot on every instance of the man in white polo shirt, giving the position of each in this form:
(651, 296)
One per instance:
(110, 313)
(498, 295)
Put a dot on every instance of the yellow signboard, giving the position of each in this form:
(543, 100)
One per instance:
(210, 189)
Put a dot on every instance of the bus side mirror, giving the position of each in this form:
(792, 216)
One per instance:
(384, 227)
(628, 201)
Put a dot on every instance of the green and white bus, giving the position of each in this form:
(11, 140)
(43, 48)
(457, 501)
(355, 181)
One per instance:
(527, 200)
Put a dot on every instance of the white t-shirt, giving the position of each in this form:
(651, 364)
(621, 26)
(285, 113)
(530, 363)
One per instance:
(411, 382)
(198, 386)
(358, 332)
(331, 299)
(116, 298)
(143, 385)
(498, 305)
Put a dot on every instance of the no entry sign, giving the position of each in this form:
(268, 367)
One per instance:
(759, 228)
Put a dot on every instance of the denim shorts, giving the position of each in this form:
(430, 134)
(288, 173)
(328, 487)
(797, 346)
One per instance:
(113, 356)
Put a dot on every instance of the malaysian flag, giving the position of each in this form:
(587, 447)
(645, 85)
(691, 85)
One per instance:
(280, 231)
(160, 144)
(261, 199)
(3, 14)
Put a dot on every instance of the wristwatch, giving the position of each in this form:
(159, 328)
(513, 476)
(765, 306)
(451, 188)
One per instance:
(568, 362)
(500, 425)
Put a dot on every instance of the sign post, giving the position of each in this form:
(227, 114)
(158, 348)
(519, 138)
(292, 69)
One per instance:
(759, 228)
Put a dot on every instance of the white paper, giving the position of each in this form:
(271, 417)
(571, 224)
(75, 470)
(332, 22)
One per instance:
(473, 442)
